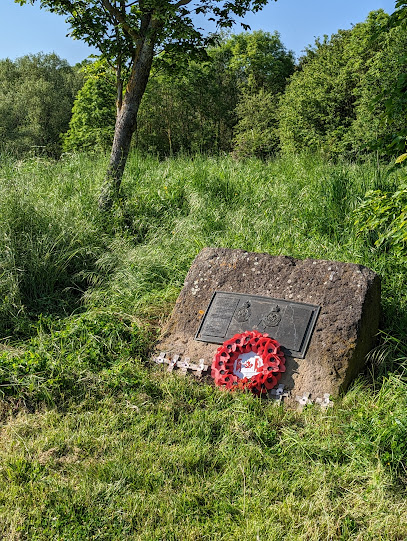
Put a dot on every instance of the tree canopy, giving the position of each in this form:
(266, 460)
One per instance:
(196, 108)
(335, 102)
(36, 97)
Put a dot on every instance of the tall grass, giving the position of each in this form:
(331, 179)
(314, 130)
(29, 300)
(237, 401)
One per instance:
(50, 236)
(98, 444)
(301, 207)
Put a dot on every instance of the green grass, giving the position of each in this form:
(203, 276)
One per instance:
(98, 444)
(179, 460)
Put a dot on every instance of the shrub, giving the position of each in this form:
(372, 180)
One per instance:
(384, 214)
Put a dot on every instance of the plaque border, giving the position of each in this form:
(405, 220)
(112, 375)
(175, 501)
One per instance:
(315, 309)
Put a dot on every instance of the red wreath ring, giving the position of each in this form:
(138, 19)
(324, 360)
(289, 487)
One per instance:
(225, 367)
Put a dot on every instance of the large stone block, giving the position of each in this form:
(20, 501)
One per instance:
(345, 331)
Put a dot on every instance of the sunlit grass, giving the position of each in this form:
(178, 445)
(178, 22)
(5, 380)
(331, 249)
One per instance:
(98, 444)
(178, 460)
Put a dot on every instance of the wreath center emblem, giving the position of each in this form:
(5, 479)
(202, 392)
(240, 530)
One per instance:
(247, 365)
(249, 360)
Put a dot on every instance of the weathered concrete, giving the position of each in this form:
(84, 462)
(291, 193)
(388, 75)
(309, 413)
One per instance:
(349, 296)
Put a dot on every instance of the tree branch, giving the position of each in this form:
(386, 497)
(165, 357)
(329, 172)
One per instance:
(181, 3)
(99, 44)
(120, 18)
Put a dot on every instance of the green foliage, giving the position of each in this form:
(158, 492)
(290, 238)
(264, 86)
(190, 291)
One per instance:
(189, 110)
(198, 111)
(384, 214)
(36, 98)
(262, 67)
(256, 132)
(192, 111)
(396, 95)
(94, 112)
(195, 109)
(70, 358)
(389, 428)
(330, 91)
(128, 36)
(381, 107)
(50, 236)
(260, 60)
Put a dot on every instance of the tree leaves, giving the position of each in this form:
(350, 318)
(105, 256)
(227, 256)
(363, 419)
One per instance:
(349, 94)
(36, 98)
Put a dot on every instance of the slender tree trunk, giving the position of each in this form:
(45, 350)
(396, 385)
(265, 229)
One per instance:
(126, 121)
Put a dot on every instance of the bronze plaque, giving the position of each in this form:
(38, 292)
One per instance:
(290, 323)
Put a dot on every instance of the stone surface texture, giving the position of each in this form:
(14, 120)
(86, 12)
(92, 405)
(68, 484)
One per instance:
(349, 296)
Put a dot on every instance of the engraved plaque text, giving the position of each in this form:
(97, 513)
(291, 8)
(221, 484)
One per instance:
(290, 323)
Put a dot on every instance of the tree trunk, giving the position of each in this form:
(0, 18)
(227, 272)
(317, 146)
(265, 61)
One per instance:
(126, 121)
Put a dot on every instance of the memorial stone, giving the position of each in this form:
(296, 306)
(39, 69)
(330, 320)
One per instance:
(325, 314)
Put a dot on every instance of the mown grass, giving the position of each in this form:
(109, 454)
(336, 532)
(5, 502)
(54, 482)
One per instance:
(98, 444)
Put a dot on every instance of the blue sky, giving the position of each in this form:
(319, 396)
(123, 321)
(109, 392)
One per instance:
(28, 29)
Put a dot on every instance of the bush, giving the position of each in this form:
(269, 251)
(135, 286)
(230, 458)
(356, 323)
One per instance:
(385, 215)
(94, 113)
(381, 106)
(256, 132)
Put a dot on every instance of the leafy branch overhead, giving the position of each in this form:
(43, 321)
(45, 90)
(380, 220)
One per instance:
(118, 27)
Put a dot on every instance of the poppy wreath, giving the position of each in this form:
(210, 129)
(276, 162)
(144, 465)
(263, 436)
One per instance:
(268, 362)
